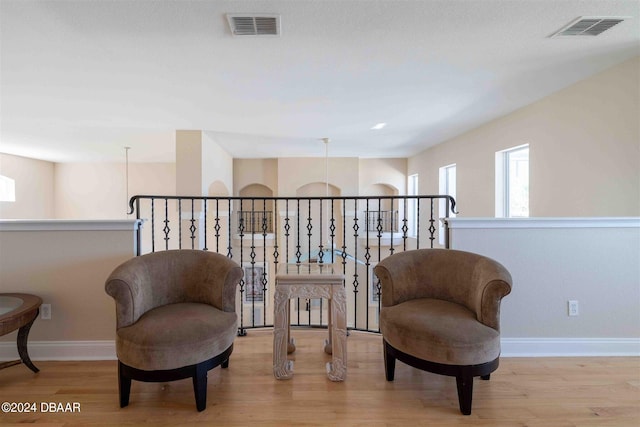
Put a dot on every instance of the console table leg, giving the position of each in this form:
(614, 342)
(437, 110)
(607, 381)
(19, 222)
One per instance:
(337, 368)
(328, 343)
(282, 367)
(23, 336)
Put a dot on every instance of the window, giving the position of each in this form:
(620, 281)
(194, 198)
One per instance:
(446, 185)
(7, 189)
(412, 206)
(512, 182)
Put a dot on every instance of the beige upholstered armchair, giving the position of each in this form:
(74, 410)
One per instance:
(440, 312)
(175, 313)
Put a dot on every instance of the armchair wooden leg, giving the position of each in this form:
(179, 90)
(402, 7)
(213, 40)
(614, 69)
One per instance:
(200, 386)
(486, 377)
(465, 393)
(389, 362)
(225, 364)
(124, 386)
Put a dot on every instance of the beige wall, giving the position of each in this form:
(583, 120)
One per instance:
(99, 190)
(203, 168)
(390, 172)
(67, 269)
(46, 190)
(294, 173)
(217, 167)
(255, 171)
(34, 188)
(284, 176)
(584, 151)
(189, 162)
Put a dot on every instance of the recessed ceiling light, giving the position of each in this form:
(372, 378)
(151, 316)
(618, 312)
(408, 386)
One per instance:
(379, 126)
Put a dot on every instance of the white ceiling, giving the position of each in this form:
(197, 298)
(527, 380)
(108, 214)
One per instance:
(80, 80)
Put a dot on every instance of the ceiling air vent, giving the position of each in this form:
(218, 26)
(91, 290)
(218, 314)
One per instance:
(588, 26)
(254, 25)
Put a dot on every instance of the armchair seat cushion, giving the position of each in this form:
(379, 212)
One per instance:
(176, 335)
(439, 331)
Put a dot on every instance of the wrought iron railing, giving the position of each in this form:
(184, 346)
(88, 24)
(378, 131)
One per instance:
(387, 220)
(353, 232)
(255, 222)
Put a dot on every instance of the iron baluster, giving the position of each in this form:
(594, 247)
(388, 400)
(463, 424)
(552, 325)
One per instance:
(205, 248)
(394, 224)
(243, 282)
(276, 254)
(264, 261)
(332, 228)
(298, 253)
(229, 247)
(320, 254)
(153, 226)
(166, 228)
(179, 223)
(367, 257)
(252, 253)
(432, 227)
(418, 223)
(355, 255)
(405, 227)
(217, 226)
(192, 228)
(286, 231)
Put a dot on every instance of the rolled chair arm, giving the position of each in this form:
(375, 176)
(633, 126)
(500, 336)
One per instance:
(493, 282)
(219, 285)
(400, 276)
(128, 291)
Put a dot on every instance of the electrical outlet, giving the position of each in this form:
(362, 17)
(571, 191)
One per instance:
(573, 308)
(45, 311)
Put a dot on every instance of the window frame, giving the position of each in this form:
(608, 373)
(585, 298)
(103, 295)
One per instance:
(412, 205)
(444, 188)
(503, 178)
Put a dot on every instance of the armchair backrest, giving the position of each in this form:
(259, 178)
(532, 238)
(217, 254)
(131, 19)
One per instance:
(152, 280)
(465, 278)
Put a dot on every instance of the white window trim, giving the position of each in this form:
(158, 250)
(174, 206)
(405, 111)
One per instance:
(442, 189)
(501, 182)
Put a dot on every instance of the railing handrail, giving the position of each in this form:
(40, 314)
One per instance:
(137, 197)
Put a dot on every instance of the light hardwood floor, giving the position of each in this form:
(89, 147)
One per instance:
(522, 392)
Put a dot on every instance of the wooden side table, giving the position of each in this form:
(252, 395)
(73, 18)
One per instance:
(310, 281)
(19, 311)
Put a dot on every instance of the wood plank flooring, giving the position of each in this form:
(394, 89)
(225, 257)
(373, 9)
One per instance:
(522, 392)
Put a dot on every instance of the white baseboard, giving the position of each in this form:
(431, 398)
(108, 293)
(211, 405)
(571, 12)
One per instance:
(569, 347)
(511, 347)
(61, 350)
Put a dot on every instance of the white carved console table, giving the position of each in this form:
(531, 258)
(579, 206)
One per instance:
(310, 281)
